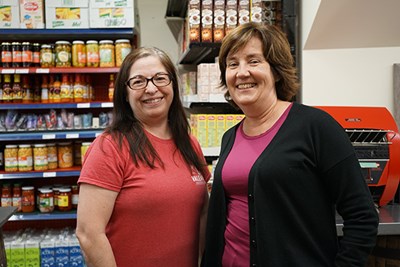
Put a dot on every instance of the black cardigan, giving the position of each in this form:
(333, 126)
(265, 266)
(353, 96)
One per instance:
(308, 171)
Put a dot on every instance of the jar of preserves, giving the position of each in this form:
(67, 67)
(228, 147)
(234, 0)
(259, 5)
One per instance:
(65, 199)
(40, 161)
(52, 156)
(78, 54)
(84, 148)
(11, 158)
(62, 51)
(56, 192)
(65, 155)
(107, 54)
(27, 55)
(46, 56)
(6, 196)
(46, 200)
(25, 161)
(122, 49)
(16, 197)
(75, 196)
(16, 54)
(28, 199)
(6, 55)
(92, 53)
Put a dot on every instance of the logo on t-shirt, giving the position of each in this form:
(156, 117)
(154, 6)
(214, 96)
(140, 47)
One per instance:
(197, 177)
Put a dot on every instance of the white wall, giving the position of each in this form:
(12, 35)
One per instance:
(346, 77)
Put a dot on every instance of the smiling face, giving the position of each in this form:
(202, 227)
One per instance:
(151, 104)
(249, 77)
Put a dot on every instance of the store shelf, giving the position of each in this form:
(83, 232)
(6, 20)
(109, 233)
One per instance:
(176, 8)
(83, 105)
(189, 100)
(200, 53)
(211, 151)
(37, 216)
(66, 34)
(50, 134)
(57, 70)
(74, 171)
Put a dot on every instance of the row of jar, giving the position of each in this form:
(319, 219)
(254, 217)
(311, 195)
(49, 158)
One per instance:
(92, 53)
(46, 199)
(43, 157)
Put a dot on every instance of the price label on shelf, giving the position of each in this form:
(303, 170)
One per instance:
(72, 136)
(40, 70)
(7, 71)
(22, 71)
(49, 174)
(83, 105)
(49, 136)
(107, 105)
(1, 176)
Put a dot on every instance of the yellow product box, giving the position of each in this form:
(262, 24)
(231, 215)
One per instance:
(67, 14)
(113, 14)
(9, 14)
(193, 124)
(221, 128)
(229, 121)
(239, 118)
(200, 120)
(32, 14)
(212, 130)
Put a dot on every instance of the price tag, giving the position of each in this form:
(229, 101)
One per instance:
(7, 71)
(40, 70)
(22, 71)
(72, 136)
(83, 105)
(97, 134)
(49, 174)
(107, 105)
(49, 136)
(1, 176)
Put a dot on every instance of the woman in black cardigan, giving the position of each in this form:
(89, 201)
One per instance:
(284, 171)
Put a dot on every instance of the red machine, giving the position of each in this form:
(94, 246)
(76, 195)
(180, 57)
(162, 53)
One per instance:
(374, 135)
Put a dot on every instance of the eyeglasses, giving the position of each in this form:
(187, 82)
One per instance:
(140, 82)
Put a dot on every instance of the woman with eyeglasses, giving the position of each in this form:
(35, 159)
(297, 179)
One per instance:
(143, 195)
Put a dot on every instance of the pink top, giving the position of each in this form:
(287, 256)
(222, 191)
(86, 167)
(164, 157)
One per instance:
(156, 216)
(235, 172)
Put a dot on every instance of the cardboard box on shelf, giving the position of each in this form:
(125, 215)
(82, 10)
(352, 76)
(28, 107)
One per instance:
(219, 21)
(231, 15)
(193, 22)
(9, 14)
(31, 14)
(67, 14)
(206, 21)
(112, 14)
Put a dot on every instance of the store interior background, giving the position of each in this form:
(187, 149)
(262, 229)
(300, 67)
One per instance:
(348, 48)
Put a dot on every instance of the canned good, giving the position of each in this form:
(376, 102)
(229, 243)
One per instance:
(62, 51)
(11, 158)
(46, 56)
(65, 155)
(52, 156)
(25, 161)
(122, 49)
(78, 54)
(40, 161)
(92, 53)
(84, 148)
(46, 200)
(65, 199)
(28, 199)
(107, 55)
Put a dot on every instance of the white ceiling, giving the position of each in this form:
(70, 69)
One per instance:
(355, 24)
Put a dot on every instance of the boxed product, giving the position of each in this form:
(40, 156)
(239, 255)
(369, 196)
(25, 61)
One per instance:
(112, 14)
(206, 21)
(219, 21)
(244, 12)
(9, 14)
(67, 14)
(193, 22)
(31, 14)
(231, 15)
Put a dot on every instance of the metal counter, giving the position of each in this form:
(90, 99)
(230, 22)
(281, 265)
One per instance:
(389, 220)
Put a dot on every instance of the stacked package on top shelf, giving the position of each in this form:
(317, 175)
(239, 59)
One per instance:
(113, 14)
(31, 14)
(67, 14)
(9, 14)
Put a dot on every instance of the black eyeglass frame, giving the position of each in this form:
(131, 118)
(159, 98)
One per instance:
(127, 83)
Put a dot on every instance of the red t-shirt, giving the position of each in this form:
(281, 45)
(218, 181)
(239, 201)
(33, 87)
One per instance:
(156, 216)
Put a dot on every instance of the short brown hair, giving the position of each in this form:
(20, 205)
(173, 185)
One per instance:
(276, 51)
